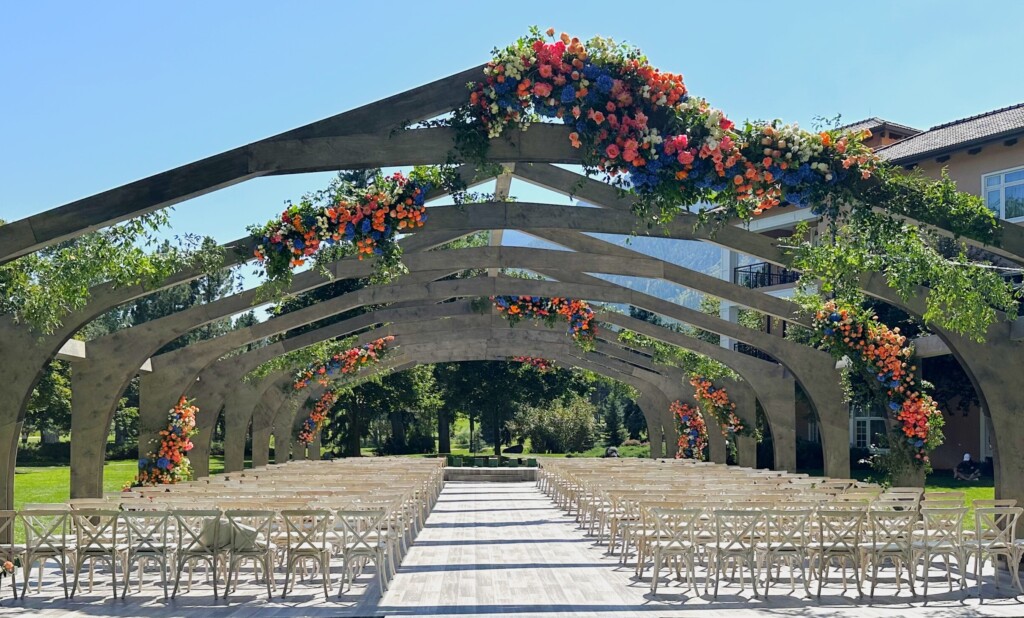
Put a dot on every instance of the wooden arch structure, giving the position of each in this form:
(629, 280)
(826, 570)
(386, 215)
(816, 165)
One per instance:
(375, 136)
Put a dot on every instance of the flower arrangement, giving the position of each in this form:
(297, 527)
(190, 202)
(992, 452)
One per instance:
(884, 354)
(8, 566)
(369, 219)
(693, 433)
(577, 312)
(169, 463)
(540, 364)
(715, 401)
(343, 363)
(317, 416)
(641, 127)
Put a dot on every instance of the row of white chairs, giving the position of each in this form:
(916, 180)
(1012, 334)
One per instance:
(280, 519)
(708, 515)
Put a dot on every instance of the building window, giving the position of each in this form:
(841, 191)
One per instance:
(813, 434)
(1004, 193)
(867, 427)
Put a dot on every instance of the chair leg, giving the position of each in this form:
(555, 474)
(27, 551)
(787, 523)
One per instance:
(656, 570)
(74, 586)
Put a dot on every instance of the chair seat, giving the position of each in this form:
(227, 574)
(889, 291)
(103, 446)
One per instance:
(780, 547)
(888, 548)
(932, 545)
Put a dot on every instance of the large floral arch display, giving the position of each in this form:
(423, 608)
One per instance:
(643, 129)
(885, 357)
(577, 313)
(693, 432)
(344, 363)
(168, 463)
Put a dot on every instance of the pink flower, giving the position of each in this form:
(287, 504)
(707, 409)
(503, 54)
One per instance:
(685, 157)
(541, 89)
(725, 124)
(612, 151)
(545, 70)
(726, 144)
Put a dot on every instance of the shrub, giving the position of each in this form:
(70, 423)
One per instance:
(565, 427)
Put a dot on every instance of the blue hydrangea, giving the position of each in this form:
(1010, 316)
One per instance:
(143, 462)
(366, 226)
(604, 84)
(162, 463)
(568, 94)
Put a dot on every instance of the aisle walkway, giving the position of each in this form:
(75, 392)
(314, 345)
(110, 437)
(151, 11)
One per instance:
(502, 549)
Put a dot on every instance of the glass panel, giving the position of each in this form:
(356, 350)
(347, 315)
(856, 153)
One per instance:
(1014, 201)
(992, 181)
(1014, 176)
(861, 434)
(992, 201)
(877, 432)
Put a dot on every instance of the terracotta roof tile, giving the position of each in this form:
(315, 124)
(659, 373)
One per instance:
(957, 134)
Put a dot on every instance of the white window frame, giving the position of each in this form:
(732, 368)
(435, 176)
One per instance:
(813, 432)
(1001, 213)
(864, 417)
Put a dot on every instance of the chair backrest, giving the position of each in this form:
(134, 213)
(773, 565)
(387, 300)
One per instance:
(943, 495)
(250, 529)
(943, 525)
(95, 529)
(996, 527)
(787, 528)
(675, 527)
(987, 504)
(306, 529)
(6, 531)
(46, 530)
(199, 531)
(146, 531)
(737, 529)
(840, 530)
(890, 527)
(359, 528)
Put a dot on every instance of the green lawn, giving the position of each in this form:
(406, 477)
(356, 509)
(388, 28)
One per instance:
(53, 483)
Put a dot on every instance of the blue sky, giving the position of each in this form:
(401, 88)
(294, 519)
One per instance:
(99, 94)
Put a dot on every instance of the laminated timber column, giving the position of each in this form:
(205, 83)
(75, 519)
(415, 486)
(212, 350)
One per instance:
(282, 435)
(745, 399)
(314, 447)
(263, 425)
(219, 384)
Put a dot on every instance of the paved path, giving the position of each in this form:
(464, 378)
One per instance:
(502, 549)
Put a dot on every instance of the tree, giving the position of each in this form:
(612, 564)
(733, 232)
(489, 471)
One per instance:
(49, 408)
(565, 425)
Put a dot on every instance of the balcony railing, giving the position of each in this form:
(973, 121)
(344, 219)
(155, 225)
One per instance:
(750, 350)
(762, 275)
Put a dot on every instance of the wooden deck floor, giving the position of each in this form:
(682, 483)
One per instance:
(501, 549)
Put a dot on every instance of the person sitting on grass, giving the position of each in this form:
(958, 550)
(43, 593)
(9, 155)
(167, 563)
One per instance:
(966, 470)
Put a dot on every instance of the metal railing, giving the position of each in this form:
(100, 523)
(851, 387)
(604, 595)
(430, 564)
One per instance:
(750, 350)
(762, 275)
